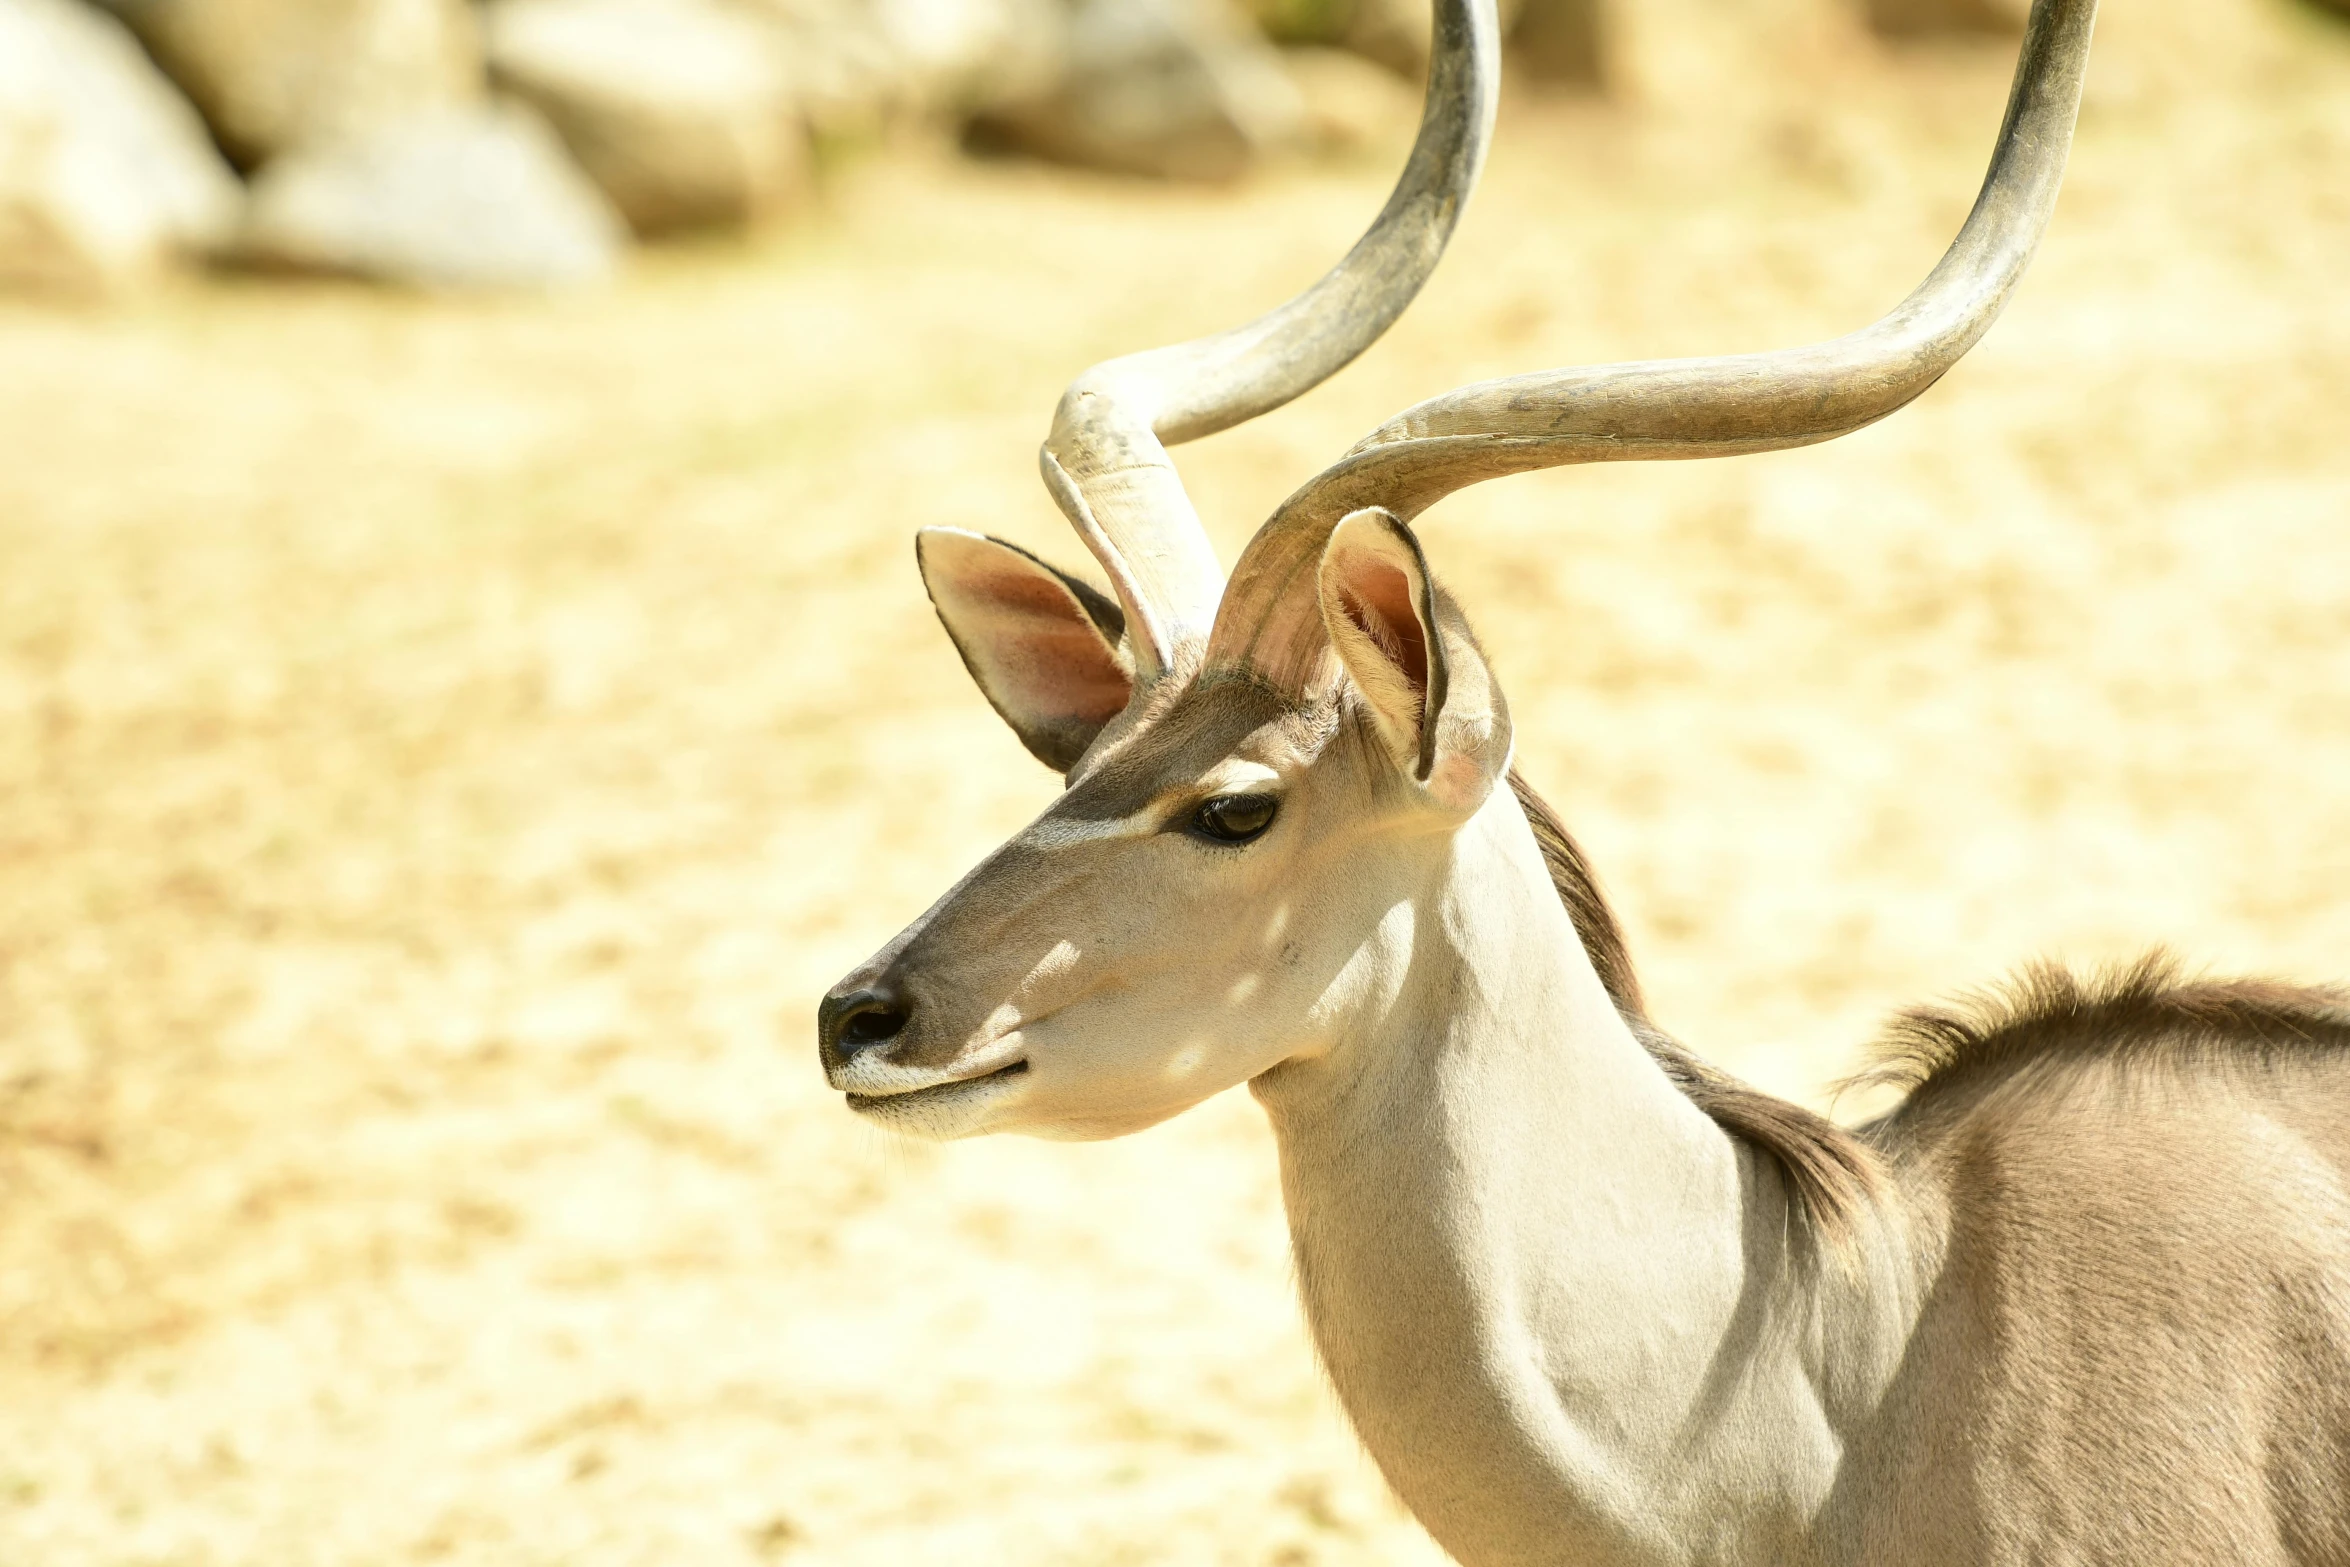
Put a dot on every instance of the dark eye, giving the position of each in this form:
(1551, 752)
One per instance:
(1234, 818)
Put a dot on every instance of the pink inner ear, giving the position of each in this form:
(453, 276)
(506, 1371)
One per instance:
(1046, 648)
(1019, 594)
(1377, 597)
(1065, 669)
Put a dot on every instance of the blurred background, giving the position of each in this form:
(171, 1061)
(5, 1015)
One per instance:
(464, 693)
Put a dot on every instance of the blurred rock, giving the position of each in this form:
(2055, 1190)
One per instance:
(683, 111)
(270, 75)
(1550, 41)
(1352, 104)
(480, 196)
(858, 64)
(104, 169)
(1178, 89)
(1393, 33)
(848, 71)
(1912, 18)
(1560, 43)
(959, 56)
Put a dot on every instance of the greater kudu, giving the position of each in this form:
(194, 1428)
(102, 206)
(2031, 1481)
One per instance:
(2085, 1297)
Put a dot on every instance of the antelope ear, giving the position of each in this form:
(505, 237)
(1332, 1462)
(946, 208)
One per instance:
(1046, 650)
(1414, 659)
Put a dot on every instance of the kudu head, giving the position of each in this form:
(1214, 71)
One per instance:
(1262, 772)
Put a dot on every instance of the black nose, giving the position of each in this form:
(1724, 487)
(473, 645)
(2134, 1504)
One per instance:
(858, 1020)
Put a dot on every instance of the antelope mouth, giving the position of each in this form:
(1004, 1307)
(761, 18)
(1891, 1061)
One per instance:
(906, 1099)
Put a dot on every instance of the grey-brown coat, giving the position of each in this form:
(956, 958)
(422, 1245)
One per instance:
(2084, 1297)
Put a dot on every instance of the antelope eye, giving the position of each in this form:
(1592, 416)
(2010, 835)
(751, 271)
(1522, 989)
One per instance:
(1234, 818)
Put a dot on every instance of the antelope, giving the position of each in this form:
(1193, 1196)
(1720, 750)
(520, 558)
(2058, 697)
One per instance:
(2083, 1296)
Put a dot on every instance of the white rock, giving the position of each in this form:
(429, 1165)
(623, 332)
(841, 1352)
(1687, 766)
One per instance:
(957, 56)
(105, 170)
(858, 64)
(1182, 89)
(449, 198)
(270, 75)
(847, 69)
(682, 110)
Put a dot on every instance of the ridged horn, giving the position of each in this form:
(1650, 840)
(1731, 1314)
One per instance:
(1676, 408)
(1106, 460)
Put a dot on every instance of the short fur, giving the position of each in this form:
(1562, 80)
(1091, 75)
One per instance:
(2135, 1345)
(2095, 1301)
(2090, 1298)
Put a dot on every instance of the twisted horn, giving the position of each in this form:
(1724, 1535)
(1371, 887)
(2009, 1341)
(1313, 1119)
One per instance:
(1106, 460)
(1683, 407)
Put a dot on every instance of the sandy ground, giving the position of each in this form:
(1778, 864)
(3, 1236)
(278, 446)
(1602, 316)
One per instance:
(446, 747)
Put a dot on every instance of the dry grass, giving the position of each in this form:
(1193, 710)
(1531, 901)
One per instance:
(446, 747)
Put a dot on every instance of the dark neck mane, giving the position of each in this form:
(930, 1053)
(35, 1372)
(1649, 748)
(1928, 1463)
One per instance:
(1832, 1174)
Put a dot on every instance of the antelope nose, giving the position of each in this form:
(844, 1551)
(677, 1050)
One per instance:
(851, 1021)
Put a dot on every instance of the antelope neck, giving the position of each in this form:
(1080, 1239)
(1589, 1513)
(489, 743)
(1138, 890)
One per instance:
(1562, 1307)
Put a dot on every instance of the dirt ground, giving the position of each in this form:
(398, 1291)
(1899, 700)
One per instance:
(447, 746)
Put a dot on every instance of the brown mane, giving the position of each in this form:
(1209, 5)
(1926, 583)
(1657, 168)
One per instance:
(1832, 1174)
(2139, 1011)
(2146, 1010)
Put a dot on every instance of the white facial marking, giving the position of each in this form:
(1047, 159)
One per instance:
(1051, 832)
(942, 1113)
(866, 1075)
(1060, 960)
(1233, 776)
(1230, 776)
